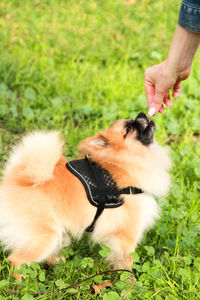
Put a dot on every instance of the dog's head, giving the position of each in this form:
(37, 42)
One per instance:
(141, 128)
(128, 146)
(123, 134)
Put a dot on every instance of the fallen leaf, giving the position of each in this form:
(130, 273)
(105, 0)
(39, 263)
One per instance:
(9, 17)
(131, 2)
(196, 138)
(98, 287)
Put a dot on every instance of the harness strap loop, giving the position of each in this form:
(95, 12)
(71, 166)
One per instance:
(98, 213)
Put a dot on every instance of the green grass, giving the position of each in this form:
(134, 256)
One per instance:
(77, 66)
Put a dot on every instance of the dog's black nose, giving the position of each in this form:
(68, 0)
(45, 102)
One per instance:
(142, 115)
(145, 129)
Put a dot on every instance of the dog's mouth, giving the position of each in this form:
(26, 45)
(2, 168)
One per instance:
(144, 127)
(142, 120)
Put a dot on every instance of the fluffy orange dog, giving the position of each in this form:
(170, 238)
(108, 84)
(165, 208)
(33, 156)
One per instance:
(43, 205)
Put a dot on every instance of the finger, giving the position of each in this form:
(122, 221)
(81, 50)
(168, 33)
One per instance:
(155, 105)
(150, 93)
(154, 98)
(167, 100)
(158, 101)
(161, 110)
(177, 89)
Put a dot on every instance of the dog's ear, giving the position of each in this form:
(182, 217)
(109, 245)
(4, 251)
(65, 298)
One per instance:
(92, 145)
(99, 141)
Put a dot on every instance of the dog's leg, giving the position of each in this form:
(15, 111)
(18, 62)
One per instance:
(37, 249)
(54, 259)
(120, 258)
(121, 246)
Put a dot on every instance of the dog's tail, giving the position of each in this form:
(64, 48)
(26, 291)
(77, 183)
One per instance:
(33, 160)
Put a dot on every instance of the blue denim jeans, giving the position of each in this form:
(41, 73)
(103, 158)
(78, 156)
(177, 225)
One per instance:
(189, 16)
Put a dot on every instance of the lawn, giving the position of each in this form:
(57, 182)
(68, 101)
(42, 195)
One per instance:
(77, 66)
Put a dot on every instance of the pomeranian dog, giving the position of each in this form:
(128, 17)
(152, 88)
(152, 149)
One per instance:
(43, 203)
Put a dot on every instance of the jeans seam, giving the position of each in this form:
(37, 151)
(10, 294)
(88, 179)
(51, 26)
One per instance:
(195, 7)
(187, 27)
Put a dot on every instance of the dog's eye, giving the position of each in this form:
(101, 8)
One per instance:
(129, 126)
(128, 129)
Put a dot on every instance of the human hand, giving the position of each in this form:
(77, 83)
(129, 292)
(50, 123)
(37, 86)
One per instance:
(159, 79)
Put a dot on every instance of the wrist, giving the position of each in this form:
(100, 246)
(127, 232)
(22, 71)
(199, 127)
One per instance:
(182, 50)
(177, 69)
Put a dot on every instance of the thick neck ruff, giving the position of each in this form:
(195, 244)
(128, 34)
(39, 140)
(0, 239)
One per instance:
(101, 189)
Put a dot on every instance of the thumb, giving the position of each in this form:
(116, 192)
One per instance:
(177, 89)
(156, 104)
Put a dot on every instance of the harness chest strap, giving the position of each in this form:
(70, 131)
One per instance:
(128, 190)
(101, 189)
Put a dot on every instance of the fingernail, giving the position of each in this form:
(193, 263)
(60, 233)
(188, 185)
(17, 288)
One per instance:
(176, 95)
(152, 111)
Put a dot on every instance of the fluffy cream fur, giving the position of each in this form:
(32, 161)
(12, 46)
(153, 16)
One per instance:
(42, 204)
(35, 158)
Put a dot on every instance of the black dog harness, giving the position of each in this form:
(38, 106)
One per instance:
(101, 189)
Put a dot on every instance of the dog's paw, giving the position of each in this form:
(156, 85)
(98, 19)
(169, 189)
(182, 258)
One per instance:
(54, 260)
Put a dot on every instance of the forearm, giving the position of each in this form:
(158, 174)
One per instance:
(169, 74)
(183, 48)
